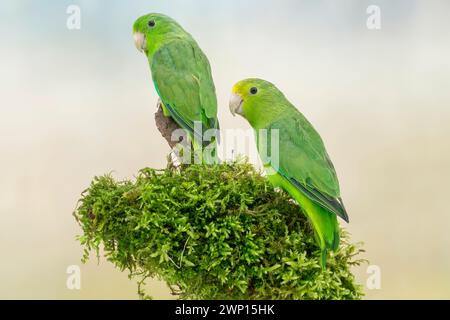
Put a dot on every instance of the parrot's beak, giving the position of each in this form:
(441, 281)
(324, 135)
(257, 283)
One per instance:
(139, 41)
(236, 104)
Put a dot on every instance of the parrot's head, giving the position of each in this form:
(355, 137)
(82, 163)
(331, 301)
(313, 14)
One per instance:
(153, 29)
(256, 100)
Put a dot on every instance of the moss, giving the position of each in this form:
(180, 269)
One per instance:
(212, 232)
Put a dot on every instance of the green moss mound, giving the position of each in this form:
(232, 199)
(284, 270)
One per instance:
(212, 232)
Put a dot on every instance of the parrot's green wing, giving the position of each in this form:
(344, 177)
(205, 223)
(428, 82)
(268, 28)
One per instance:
(182, 77)
(304, 161)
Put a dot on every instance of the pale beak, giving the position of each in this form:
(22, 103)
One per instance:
(236, 104)
(140, 41)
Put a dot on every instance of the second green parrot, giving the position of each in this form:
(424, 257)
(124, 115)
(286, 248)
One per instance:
(181, 75)
(303, 167)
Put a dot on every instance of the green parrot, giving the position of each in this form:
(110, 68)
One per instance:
(303, 167)
(182, 78)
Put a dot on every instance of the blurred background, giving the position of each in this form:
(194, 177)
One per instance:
(80, 103)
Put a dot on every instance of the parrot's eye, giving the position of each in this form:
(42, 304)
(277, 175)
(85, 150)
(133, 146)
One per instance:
(151, 23)
(253, 90)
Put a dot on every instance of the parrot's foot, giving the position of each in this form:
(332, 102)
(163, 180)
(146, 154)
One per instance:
(175, 160)
(166, 111)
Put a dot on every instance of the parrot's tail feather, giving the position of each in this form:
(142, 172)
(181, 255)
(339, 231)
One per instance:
(324, 221)
(323, 258)
(337, 237)
(326, 228)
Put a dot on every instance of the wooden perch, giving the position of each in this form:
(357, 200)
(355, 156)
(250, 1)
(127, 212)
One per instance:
(165, 125)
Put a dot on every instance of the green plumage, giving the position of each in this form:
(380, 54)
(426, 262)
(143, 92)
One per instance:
(181, 73)
(303, 169)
